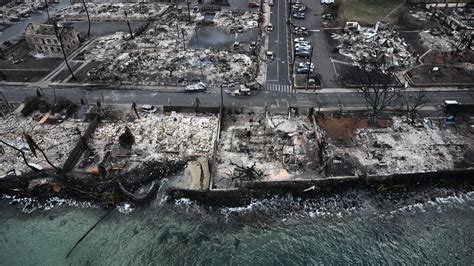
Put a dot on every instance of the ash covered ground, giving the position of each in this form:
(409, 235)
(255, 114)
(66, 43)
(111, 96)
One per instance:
(162, 54)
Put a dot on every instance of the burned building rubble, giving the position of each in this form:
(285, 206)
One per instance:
(276, 146)
(14, 11)
(124, 143)
(43, 39)
(112, 11)
(406, 147)
(369, 44)
(174, 136)
(454, 29)
(56, 137)
(162, 55)
(123, 154)
(232, 20)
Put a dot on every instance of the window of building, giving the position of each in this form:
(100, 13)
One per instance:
(58, 49)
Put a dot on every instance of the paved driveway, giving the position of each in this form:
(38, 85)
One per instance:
(278, 68)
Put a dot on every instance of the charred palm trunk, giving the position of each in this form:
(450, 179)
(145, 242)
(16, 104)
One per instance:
(128, 24)
(33, 147)
(47, 9)
(22, 155)
(88, 17)
(59, 36)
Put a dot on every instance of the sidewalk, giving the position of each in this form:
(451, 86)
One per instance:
(353, 90)
(160, 88)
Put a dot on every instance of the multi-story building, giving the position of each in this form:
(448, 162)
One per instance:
(42, 38)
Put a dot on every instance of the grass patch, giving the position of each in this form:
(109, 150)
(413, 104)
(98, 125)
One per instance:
(368, 11)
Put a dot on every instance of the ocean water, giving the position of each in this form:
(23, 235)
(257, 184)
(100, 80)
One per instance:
(428, 227)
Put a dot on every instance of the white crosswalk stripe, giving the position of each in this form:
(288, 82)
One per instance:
(278, 87)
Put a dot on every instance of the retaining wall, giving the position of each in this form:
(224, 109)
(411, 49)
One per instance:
(310, 188)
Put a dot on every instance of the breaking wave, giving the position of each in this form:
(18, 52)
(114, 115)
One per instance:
(125, 208)
(337, 206)
(29, 205)
(328, 207)
(439, 203)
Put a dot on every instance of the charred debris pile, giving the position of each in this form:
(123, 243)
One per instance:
(273, 148)
(111, 155)
(101, 154)
(172, 50)
(112, 11)
(381, 42)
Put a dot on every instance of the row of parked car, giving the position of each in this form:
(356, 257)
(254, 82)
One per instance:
(302, 47)
(298, 10)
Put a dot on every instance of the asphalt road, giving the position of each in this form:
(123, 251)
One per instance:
(276, 101)
(277, 70)
(16, 31)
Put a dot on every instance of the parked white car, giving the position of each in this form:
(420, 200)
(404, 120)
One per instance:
(242, 92)
(196, 87)
(301, 40)
(306, 46)
(306, 65)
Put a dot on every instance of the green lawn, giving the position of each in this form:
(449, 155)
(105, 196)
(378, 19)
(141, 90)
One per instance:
(367, 11)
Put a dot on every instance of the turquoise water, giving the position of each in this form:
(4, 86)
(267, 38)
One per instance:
(435, 227)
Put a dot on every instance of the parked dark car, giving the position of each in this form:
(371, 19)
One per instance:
(299, 15)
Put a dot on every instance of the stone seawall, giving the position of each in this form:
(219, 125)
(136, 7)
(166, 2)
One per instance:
(246, 192)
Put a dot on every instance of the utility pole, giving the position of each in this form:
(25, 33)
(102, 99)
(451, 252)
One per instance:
(200, 67)
(309, 71)
(177, 31)
(47, 8)
(222, 102)
(184, 41)
(197, 37)
(189, 12)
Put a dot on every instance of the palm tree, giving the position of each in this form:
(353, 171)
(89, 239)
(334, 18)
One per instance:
(22, 155)
(59, 35)
(88, 18)
(33, 147)
(128, 23)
